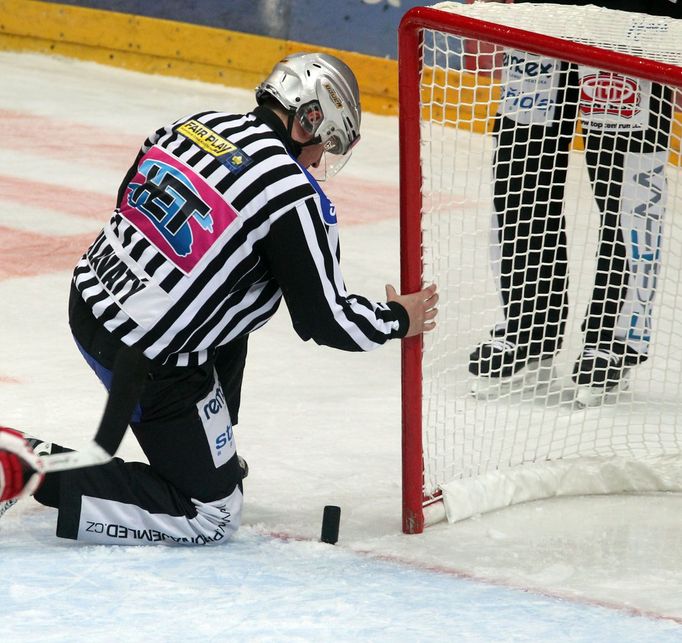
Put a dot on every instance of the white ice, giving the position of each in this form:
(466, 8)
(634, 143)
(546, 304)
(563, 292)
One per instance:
(317, 427)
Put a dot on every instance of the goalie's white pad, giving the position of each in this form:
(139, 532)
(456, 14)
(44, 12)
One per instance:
(21, 470)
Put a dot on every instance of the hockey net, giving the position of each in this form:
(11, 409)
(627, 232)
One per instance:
(469, 449)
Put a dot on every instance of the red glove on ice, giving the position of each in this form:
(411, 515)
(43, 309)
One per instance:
(21, 470)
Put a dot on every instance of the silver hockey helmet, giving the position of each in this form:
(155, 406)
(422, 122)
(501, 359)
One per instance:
(321, 92)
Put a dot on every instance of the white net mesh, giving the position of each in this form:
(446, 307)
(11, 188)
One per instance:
(572, 207)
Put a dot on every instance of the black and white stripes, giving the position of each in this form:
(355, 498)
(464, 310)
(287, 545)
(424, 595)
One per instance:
(210, 230)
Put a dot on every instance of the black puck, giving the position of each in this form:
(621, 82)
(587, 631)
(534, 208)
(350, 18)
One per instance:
(330, 524)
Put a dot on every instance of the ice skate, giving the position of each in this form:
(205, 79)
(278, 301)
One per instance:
(501, 367)
(603, 371)
(243, 466)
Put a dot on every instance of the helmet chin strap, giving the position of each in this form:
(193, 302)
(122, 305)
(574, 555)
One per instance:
(295, 145)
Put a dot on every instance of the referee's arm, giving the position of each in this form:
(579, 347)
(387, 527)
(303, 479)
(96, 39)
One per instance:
(307, 270)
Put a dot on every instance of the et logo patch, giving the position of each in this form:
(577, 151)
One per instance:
(225, 152)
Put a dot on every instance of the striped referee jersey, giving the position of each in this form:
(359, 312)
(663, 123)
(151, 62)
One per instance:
(215, 222)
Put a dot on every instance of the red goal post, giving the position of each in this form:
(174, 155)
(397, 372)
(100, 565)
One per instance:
(411, 126)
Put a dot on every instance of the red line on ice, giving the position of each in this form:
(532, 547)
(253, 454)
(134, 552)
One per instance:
(26, 254)
(406, 561)
(81, 203)
(359, 201)
(67, 140)
(356, 200)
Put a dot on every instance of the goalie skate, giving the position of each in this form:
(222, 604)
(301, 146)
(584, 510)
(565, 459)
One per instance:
(502, 368)
(602, 372)
(591, 396)
(535, 377)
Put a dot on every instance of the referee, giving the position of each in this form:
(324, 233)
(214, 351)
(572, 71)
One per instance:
(218, 219)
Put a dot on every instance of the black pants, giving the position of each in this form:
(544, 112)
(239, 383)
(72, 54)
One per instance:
(183, 424)
(529, 181)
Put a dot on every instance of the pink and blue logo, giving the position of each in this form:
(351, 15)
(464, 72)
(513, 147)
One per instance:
(175, 208)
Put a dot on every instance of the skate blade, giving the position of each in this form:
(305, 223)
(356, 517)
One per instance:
(535, 376)
(593, 396)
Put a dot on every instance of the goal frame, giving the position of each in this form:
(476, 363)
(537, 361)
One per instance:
(410, 34)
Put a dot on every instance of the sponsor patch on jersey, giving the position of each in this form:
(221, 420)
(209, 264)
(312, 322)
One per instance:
(609, 100)
(175, 208)
(232, 157)
(530, 88)
(216, 422)
(610, 93)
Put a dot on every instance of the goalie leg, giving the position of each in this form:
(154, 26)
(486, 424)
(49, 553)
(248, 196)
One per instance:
(533, 131)
(627, 171)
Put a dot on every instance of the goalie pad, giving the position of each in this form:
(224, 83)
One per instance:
(21, 470)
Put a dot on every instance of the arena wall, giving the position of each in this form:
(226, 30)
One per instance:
(234, 43)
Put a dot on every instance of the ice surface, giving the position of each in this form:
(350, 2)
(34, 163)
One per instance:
(317, 427)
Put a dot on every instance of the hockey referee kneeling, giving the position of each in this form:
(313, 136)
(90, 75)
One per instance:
(218, 219)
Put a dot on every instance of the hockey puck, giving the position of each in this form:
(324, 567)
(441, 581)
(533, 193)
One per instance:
(331, 518)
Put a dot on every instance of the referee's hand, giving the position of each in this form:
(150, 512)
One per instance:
(420, 307)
